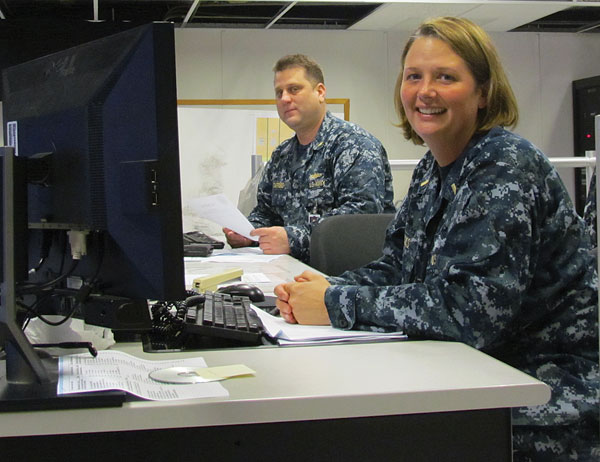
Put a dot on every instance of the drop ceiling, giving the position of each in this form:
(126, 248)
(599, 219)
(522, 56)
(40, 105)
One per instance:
(517, 15)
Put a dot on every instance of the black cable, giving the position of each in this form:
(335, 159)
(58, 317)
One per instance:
(90, 347)
(50, 284)
(52, 291)
(45, 246)
(31, 310)
(168, 322)
(33, 288)
(165, 324)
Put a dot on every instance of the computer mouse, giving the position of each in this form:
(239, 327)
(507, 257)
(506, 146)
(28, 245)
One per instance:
(252, 292)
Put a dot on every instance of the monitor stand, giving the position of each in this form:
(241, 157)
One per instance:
(27, 382)
(37, 396)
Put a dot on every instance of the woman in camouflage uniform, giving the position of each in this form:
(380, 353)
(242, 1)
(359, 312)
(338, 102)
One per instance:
(486, 248)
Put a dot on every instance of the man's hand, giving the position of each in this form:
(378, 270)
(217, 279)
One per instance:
(272, 240)
(236, 240)
(303, 301)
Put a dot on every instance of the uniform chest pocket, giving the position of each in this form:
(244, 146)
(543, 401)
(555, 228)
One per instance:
(314, 193)
(319, 196)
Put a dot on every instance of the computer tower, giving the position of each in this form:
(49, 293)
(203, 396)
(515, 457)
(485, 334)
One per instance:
(586, 105)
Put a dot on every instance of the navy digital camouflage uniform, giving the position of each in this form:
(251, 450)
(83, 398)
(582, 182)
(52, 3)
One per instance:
(345, 170)
(493, 256)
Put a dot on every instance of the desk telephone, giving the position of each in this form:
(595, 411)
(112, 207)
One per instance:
(211, 319)
(198, 244)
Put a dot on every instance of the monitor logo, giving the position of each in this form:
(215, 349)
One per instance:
(62, 67)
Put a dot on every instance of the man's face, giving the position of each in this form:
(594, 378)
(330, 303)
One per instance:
(300, 103)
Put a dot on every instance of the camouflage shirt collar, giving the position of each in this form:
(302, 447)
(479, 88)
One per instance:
(326, 126)
(458, 169)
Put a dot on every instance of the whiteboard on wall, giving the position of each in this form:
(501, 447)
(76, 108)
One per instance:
(216, 145)
(215, 148)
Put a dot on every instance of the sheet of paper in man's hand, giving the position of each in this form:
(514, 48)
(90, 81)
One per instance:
(218, 208)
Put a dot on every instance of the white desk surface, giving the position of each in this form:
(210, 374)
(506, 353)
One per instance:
(310, 382)
(281, 269)
(316, 382)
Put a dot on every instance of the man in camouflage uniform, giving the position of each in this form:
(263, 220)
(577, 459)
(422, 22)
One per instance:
(330, 167)
(486, 248)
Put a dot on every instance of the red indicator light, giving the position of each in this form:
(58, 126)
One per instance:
(588, 135)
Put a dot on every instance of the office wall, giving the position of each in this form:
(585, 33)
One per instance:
(363, 66)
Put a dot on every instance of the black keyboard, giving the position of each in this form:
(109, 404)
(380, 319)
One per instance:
(198, 237)
(222, 320)
(223, 315)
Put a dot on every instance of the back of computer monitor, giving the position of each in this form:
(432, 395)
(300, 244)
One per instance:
(103, 117)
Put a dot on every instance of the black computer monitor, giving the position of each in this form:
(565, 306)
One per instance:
(94, 130)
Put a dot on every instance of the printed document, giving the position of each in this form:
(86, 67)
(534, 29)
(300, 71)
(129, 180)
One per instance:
(296, 334)
(115, 370)
(218, 208)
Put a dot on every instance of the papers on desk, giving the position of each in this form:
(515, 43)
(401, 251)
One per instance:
(244, 255)
(115, 370)
(255, 278)
(241, 255)
(295, 334)
(236, 257)
(218, 208)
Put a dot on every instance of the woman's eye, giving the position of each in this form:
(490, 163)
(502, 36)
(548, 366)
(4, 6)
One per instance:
(447, 77)
(412, 76)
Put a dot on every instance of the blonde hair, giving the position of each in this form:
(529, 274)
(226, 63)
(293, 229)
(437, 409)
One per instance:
(475, 47)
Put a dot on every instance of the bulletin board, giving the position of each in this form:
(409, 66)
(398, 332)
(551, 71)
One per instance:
(345, 102)
(217, 141)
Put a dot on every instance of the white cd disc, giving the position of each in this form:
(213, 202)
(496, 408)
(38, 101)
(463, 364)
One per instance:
(176, 375)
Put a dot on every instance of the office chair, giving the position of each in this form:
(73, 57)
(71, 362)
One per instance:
(342, 242)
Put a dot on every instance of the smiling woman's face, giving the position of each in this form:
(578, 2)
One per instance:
(440, 96)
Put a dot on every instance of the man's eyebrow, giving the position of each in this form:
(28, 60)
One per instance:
(437, 69)
(290, 84)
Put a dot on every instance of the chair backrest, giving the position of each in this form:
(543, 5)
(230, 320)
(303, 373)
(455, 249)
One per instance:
(342, 242)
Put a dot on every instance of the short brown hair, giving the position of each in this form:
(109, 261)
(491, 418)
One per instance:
(475, 47)
(314, 73)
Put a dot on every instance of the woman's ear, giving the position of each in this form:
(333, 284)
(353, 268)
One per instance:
(483, 97)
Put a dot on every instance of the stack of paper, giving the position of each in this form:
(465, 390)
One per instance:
(296, 334)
